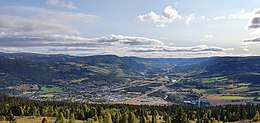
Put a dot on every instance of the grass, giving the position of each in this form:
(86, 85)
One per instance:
(29, 92)
(98, 70)
(206, 91)
(51, 89)
(238, 90)
(36, 119)
(199, 90)
(236, 98)
(46, 95)
(215, 79)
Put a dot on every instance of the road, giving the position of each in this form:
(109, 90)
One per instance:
(152, 91)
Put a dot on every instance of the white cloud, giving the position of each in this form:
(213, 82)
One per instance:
(190, 19)
(112, 44)
(207, 37)
(48, 31)
(62, 4)
(219, 18)
(242, 14)
(39, 23)
(13, 26)
(199, 48)
(245, 48)
(169, 15)
(49, 15)
(254, 26)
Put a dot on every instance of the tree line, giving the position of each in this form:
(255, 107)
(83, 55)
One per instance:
(123, 113)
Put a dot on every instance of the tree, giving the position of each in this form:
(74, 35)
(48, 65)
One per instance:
(117, 117)
(124, 118)
(181, 117)
(44, 120)
(60, 118)
(167, 119)
(225, 119)
(154, 115)
(72, 118)
(132, 118)
(11, 118)
(256, 117)
(95, 118)
(205, 118)
(107, 117)
(154, 119)
(243, 115)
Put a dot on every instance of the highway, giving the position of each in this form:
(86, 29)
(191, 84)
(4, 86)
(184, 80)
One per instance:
(163, 86)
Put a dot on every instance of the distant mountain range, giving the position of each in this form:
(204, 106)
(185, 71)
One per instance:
(18, 68)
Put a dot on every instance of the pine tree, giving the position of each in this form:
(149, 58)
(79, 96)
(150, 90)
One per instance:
(143, 119)
(11, 118)
(256, 117)
(124, 118)
(107, 117)
(181, 117)
(132, 118)
(44, 120)
(95, 118)
(72, 118)
(117, 117)
(153, 118)
(225, 119)
(167, 119)
(243, 115)
(60, 118)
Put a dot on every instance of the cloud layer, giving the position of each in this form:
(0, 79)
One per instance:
(51, 31)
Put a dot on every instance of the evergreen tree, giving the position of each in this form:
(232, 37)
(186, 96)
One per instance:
(44, 120)
(95, 118)
(243, 115)
(167, 119)
(117, 117)
(225, 119)
(132, 118)
(124, 118)
(60, 118)
(153, 119)
(181, 117)
(256, 117)
(205, 118)
(72, 118)
(11, 118)
(143, 119)
(107, 117)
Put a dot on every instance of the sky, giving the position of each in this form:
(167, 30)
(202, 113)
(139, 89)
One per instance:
(142, 28)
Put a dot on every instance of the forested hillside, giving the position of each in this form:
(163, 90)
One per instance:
(120, 113)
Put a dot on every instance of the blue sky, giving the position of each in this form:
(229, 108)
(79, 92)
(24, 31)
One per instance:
(157, 28)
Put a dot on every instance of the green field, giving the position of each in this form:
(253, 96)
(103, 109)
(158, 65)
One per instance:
(215, 79)
(46, 95)
(29, 92)
(98, 70)
(238, 90)
(51, 89)
(236, 98)
(205, 91)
